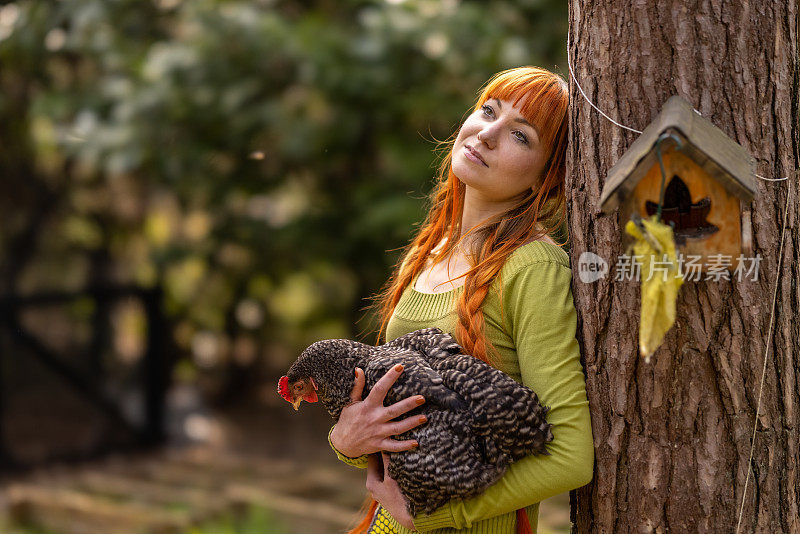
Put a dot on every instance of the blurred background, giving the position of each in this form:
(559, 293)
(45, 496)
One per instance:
(191, 192)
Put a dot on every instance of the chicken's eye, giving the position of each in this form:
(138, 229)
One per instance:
(298, 386)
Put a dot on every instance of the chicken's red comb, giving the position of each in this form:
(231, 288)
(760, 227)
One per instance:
(283, 388)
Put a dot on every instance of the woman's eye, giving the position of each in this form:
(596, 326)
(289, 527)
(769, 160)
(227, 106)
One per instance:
(487, 110)
(521, 137)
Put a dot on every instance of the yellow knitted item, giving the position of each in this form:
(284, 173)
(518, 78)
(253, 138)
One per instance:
(381, 523)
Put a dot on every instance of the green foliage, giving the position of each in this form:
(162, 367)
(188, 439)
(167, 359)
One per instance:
(269, 151)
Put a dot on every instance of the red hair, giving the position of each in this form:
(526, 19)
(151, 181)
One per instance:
(543, 98)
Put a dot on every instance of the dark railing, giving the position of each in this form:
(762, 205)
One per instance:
(87, 381)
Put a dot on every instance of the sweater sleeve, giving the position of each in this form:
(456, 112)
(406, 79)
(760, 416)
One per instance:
(541, 320)
(360, 462)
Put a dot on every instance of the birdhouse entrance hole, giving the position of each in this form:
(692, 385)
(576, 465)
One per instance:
(688, 219)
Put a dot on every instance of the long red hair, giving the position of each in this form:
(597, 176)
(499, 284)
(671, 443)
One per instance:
(543, 98)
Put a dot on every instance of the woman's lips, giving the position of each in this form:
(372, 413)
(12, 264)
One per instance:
(473, 155)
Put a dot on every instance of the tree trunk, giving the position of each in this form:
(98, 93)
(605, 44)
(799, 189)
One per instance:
(672, 437)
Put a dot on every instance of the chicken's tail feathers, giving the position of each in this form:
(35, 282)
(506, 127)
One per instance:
(369, 508)
(523, 525)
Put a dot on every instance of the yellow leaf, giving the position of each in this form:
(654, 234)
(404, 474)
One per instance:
(661, 278)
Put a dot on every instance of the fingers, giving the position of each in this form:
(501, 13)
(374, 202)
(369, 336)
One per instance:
(405, 425)
(406, 405)
(392, 445)
(358, 387)
(383, 385)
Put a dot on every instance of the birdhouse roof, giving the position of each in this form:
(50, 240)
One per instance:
(709, 147)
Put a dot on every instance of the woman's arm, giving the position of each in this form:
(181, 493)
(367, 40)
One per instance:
(540, 318)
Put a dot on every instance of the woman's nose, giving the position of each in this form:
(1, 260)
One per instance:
(487, 137)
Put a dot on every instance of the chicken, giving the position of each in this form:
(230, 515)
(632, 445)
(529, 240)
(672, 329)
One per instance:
(480, 420)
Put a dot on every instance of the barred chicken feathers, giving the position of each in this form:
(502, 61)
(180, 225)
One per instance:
(479, 419)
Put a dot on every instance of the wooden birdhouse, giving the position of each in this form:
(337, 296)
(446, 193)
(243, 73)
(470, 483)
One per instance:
(707, 190)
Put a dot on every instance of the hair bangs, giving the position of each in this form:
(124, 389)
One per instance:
(541, 96)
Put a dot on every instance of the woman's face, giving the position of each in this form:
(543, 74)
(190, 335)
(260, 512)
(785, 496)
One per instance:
(497, 152)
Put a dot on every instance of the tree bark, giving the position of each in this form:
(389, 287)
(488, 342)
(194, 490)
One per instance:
(673, 437)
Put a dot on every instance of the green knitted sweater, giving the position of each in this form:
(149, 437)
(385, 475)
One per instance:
(531, 321)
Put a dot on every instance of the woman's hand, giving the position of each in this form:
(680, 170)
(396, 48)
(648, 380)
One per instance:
(366, 426)
(385, 490)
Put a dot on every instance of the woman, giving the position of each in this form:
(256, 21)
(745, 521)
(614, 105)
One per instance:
(484, 267)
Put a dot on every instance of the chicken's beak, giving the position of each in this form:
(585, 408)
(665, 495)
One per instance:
(296, 403)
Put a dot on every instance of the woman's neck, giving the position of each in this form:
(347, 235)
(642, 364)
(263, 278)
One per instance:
(478, 209)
